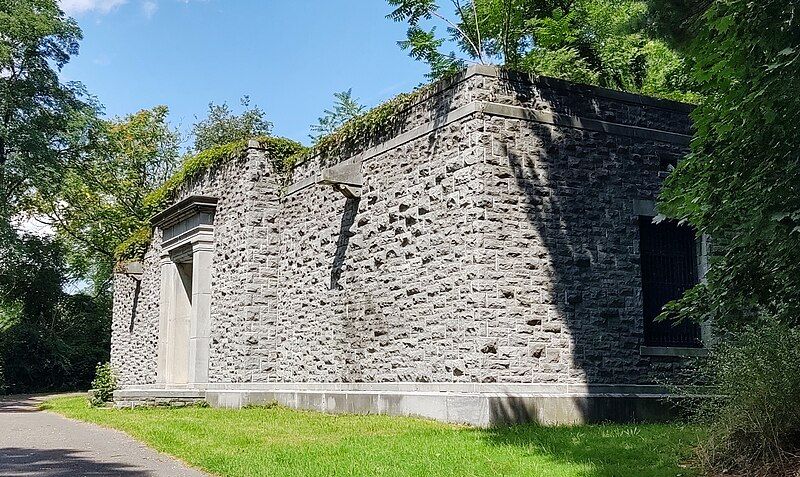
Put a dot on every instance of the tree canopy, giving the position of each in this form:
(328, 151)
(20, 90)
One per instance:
(222, 126)
(601, 42)
(741, 182)
(43, 122)
(345, 108)
(98, 204)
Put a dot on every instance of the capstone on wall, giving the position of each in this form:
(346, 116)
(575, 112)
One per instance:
(495, 241)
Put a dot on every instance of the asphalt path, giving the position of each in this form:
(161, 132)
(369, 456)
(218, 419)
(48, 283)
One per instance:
(44, 444)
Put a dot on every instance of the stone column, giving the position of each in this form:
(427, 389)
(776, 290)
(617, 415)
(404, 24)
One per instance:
(168, 272)
(181, 324)
(200, 330)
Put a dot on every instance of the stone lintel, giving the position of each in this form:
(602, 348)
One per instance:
(669, 351)
(135, 269)
(185, 208)
(645, 207)
(345, 177)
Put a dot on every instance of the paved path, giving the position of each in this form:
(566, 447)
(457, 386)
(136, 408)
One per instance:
(43, 444)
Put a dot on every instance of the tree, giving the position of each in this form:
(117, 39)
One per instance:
(49, 340)
(423, 44)
(741, 182)
(601, 42)
(741, 185)
(222, 126)
(43, 122)
(345, 107)
(99, 203)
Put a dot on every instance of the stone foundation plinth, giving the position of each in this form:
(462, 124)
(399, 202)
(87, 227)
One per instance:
(478, 405)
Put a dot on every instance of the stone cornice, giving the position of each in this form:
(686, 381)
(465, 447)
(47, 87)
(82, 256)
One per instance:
(189, 206)
(508, 111)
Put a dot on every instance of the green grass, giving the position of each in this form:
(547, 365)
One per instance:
(283, 442)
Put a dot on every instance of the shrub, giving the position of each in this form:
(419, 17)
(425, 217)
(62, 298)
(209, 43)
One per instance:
(754, 417)
(103, 385)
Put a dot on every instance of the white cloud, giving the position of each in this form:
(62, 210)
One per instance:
(79, 7)
(149, 8)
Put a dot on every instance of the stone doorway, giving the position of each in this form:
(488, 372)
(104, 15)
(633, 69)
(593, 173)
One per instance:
(178, 322)
(185, 304)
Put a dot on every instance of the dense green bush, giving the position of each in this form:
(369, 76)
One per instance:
(741, 185)
(49, 340)
(754, 418)
(103, 385)
(606, 43)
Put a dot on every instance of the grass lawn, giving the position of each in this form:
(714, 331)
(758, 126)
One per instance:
(283, 442)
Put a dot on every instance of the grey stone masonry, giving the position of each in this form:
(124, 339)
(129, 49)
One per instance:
(494, 240)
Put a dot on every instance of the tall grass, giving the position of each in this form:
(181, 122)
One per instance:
(754, 420)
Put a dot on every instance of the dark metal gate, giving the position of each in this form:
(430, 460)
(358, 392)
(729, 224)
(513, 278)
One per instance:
(669, 267)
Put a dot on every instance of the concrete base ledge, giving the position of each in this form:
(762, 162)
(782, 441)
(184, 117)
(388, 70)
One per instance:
(477, 409)
(433, 387)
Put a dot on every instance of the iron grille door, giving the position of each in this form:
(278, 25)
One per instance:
(669, 268)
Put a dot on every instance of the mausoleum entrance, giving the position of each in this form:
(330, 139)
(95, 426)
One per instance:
(187, 230)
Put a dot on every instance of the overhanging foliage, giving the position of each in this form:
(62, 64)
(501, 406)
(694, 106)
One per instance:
(278, 150)
(741, 182)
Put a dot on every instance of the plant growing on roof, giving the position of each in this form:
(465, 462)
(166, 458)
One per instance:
(345, 108)
(222, 126)
(277, 148)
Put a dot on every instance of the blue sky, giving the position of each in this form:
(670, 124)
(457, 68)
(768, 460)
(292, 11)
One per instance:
(289, 56)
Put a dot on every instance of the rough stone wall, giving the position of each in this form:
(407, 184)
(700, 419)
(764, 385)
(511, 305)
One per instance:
(243, 188)
(561, 252)
(563, 97)
(375, 289)
(492, 249)
(134, 334)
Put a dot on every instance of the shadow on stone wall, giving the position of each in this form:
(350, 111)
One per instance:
(364, 334)
(578, 188)
(135, 305)
(348, 218)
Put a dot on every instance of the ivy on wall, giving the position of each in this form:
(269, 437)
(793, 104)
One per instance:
(375, 123)
(278, 149)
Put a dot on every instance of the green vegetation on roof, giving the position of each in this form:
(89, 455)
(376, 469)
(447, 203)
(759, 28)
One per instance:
(278, 150)
(357, 133)
(284, 153)
(375, 123)
(135, 246)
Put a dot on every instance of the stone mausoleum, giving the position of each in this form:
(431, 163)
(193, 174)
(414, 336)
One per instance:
(494, 259)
